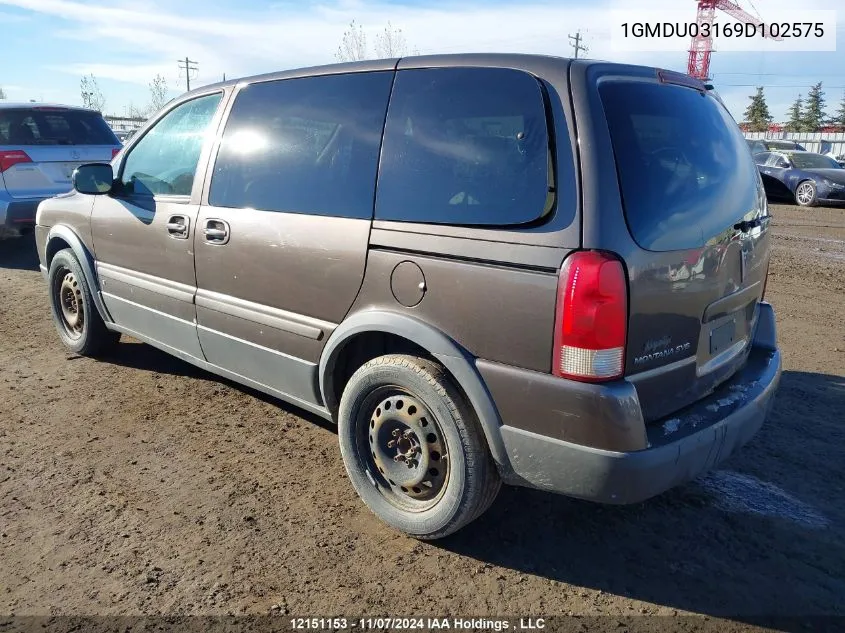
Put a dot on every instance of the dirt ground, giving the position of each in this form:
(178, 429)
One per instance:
(140, 485)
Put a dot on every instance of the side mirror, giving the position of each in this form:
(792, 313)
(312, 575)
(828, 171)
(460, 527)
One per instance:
(94, 178)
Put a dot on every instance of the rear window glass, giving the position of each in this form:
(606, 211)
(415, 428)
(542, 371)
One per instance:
(684, 167)
(54, 127)
(813, 161)
(465, 146)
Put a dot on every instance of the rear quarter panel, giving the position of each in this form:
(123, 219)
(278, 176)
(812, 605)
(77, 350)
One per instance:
(668, 290)
(492, 290)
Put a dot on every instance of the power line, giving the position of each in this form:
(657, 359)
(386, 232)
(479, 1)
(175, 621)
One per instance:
(576, 43)
(755, 9)
(188, 66)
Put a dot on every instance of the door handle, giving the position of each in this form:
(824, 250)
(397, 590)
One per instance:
(216, 231)
(178, 226)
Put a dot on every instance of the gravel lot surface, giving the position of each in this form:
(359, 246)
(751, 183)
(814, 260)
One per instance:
(140, 485)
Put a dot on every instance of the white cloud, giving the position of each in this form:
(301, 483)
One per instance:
(133, 40)
(291, 35)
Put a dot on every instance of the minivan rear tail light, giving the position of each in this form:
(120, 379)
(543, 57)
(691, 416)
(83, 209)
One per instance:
(11, 157)
(115, 151)
(592, 318)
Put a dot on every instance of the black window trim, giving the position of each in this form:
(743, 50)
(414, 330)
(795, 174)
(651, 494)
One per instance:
(215, 122)
(491, 232)
(214, 151)
(556, 239)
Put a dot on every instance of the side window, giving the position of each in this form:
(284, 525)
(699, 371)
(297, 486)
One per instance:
(776, 160)
(466, 146)
(164, 162)
(305, 145)
(762, 158)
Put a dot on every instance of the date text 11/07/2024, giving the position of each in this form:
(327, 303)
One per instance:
(408, 624)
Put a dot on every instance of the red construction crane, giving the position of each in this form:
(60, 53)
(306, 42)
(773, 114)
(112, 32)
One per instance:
(702, 47)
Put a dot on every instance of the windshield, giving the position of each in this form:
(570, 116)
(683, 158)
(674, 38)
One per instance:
(54, 126)
(814, 161)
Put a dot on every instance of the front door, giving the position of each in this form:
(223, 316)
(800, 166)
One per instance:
(143, 232)
(281, 242)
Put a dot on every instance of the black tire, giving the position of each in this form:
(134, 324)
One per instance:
(465, 480)
(806, 194)
(80, 327)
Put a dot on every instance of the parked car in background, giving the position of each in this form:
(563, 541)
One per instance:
(124, 135)
(782, 145)
(756, 146)
(424, 252)
(805, 177)
(40, 146)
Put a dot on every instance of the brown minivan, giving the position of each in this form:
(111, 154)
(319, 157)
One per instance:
(484, 268)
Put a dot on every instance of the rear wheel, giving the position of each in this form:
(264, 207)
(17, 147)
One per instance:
(805, 194)
(413, 448)
(77, 320)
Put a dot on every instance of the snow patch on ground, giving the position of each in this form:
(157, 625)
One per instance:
(735, 492)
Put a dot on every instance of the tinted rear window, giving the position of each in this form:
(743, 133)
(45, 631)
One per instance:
(465, 146)
(684, 167)
(813, 161)
(54, 127)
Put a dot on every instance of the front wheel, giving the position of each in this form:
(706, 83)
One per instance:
(413, 448)
(805, 194)
(80, 326)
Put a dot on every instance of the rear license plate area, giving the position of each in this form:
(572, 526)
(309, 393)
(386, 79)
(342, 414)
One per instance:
(722, 337)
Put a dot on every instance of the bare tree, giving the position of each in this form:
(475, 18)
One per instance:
(134, 112)
(158, 94)
(391, 42)
(92, 96)
(353, 46)
(2, 93)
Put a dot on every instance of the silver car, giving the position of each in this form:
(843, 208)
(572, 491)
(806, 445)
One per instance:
(40, 146)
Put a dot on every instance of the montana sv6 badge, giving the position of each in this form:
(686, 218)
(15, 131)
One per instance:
(661, 348)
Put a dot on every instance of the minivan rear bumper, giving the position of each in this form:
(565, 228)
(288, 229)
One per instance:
(17, 215)
(679, 447)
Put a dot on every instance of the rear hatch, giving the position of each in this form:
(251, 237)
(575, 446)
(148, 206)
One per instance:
(695, 207)
(40, 146)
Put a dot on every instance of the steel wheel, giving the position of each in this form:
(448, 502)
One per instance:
(69, 300)
(805, 194)
(408, 455)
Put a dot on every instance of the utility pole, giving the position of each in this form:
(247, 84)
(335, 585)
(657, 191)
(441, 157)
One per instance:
(576, 43)
(188, 66)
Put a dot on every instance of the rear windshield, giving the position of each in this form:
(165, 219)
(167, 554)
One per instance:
(785, 145)
(813, 161)
(684, 168)
(54, 127)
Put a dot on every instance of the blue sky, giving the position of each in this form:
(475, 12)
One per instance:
(49, 44)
